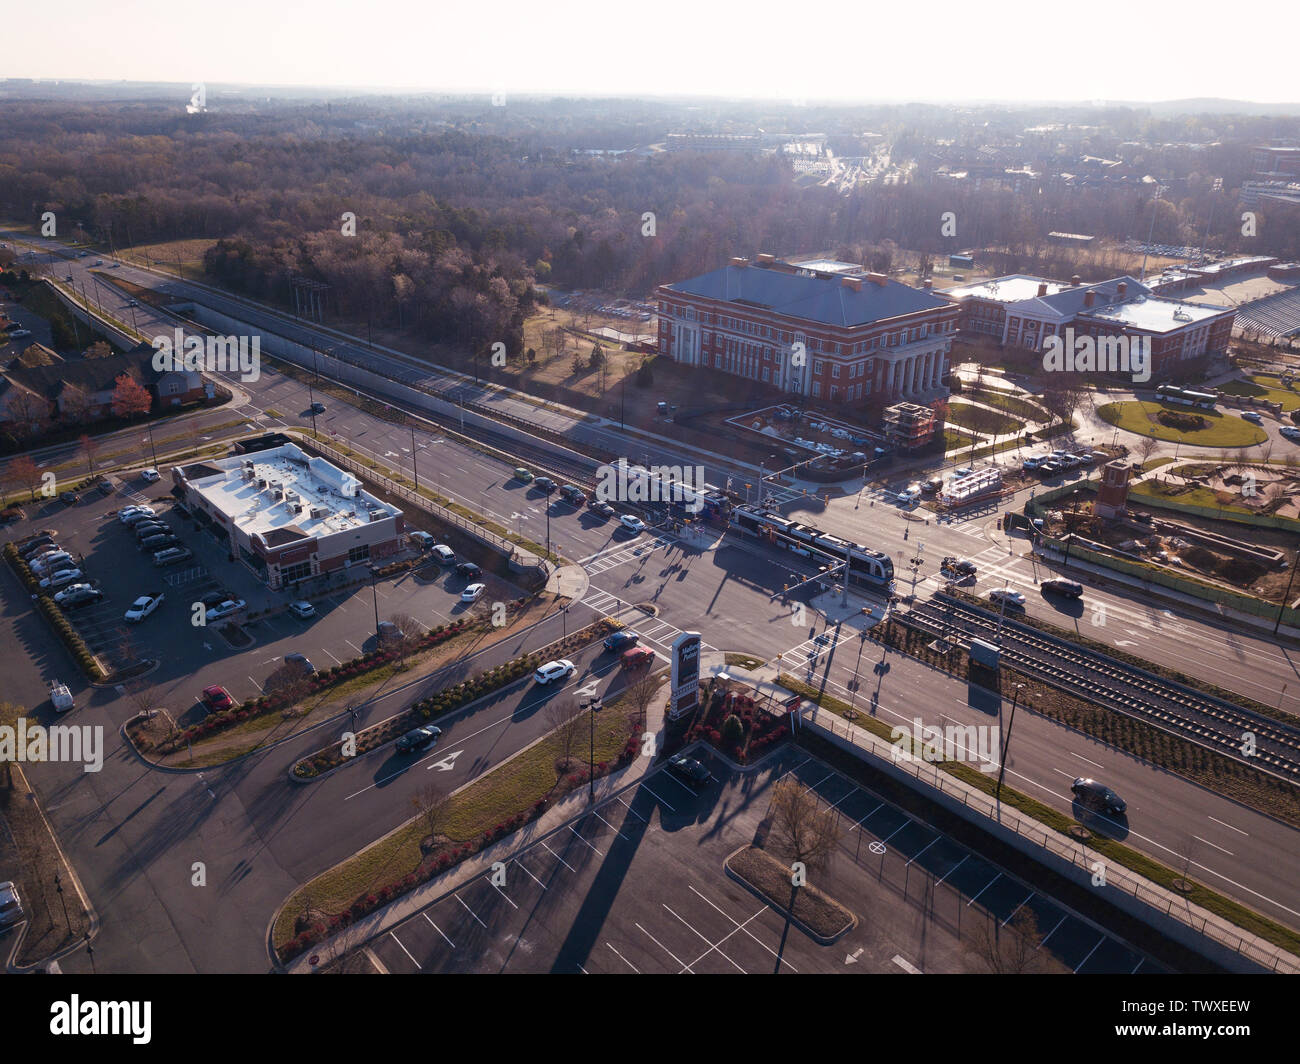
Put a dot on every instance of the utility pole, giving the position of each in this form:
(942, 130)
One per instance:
(1002, 766)
(414, 468)
(1286, 597)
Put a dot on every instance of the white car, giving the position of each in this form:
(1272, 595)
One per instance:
(150, 476)
(225, 609)
(554, 670)
(75, 591)
(61, 579)
(132, 514)
(910, 494)
(1250, 415)
(11, 906)
(472, 592)
(55, 559)
(143, 606)
(444, 554)
(302, 609)
(1290, 432)
(1009, 595)
(632, 524)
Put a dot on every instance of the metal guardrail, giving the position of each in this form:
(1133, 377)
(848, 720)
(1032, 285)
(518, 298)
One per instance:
(1074, 853)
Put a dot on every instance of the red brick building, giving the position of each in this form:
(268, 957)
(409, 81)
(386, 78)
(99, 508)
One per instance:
(828, 331)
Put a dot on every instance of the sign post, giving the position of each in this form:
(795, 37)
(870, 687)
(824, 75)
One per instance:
(685, 674)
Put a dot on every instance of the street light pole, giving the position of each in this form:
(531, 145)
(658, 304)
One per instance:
(414, 468)
(1002, 767)
(1286, 597)
(375, 595)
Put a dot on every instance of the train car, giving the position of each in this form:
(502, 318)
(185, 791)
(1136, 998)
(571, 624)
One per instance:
(867, 568)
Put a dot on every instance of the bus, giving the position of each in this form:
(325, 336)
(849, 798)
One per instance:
(1170, 393)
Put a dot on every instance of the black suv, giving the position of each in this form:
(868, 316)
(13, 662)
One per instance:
(153, 544)
(572, 495)
(468, 569)
(1061, 586)
(546, 484)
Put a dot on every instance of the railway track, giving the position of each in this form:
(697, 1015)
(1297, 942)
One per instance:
(1094, 676)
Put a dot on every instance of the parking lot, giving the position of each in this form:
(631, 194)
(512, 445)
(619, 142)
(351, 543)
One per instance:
(637, 885)
(193, 657)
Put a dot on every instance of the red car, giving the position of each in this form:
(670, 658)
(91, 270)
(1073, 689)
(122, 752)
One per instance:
(637, 657)
(217, 698)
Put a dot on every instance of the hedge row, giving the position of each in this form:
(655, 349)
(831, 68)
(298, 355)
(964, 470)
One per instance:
(71, 639)
(316, 681)
(436, 864)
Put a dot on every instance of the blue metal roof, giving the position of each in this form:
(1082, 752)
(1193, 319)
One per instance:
(824, 300)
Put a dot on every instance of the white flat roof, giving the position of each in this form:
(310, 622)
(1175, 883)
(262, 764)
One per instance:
(1011, 289)
(1152, 314)
(282, 479)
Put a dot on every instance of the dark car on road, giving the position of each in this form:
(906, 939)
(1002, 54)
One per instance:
(602, 509)
(69, 498)
(1098, 795)
(573, 495)
(688, 768)
(545, 484)
(620, 640)
(418, 739)
(1063, 587)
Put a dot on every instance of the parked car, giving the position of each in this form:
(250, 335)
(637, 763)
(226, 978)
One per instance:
(418, 739)
(631, 523)
(34, 548)
(574, 495)
(302, 610)
(1090, 792)
(225, 609)
(161, 541)
(389, 632)
(910, 493)
(601, 509)
(74, 596)
(1290, 432)
(217, 698)
(931, 486)
(1008, 595)
(44, 564)
(637, 657)
(468, 570)
(144, 529)
(172, 555)
(444, 553)
(133, 514)
(523, 474)
(545, 484)
(60, 697)
(688, 768)
(554, 670)
(11, 906)
(69, 498)
(619, 640)
(301, 660)
(143, 606)
(473, 592)
(1061, 586)
(1250, 415)
(150, 476)
(61, 578)
(423, 540)
(1030, 464)
(104, 485)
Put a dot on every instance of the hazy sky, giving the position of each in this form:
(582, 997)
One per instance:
(863, 49)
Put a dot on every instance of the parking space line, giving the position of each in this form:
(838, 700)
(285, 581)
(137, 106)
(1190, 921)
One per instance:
(872, 813)
(769, 949)
(469, 910)
(608, 824)
(670, 808)
(900, 827)
(439, 930)
(406, 951)
(1053, 931)
(624, 959)
(529, 874)
(662, 946)
(1137, 966)
(716, 945)
(837, 801)
(632, 811)
(558, 858)
(354, 646)
(1090, 953)
(712, 945)
(927, 846)
(952, 870)
(500, 891)
(984, 888)
(575, 832)
(679, 783)
(1017, 909)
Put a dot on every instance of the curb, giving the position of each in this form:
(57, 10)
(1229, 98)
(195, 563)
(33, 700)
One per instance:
(771, 904)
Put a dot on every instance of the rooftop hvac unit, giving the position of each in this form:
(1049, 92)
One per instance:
(378, 515)
(298, 508)
(317, 512)
(248, 474)
(277, 494)
(261, 482)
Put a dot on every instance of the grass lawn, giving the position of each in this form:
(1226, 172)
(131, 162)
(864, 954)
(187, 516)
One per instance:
(1012, 404)
(506, 790)
(970, 417)
(1262, 387)
(1224, 430)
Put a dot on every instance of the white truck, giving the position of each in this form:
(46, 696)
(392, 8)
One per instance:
(61, 697)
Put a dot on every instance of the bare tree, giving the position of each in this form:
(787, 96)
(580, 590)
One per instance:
(1008, 950)
(805, 830)
(640, 693)
(432, 806)
(141, 694)
(24, 471)
(289, 681)
(1146, 448)
(1185, 851)
(405, 643)
(565, 720)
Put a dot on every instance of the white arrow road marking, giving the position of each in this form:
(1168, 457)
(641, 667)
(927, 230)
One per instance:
(852, 958)
(447, 763)
(1125, 643)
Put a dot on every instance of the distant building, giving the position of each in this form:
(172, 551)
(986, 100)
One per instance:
(1071, 239)
(838, 335)
(288, 516)
(1023, 311)
(1276, 162)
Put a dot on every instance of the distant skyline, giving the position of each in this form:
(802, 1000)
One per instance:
(1015, 51)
